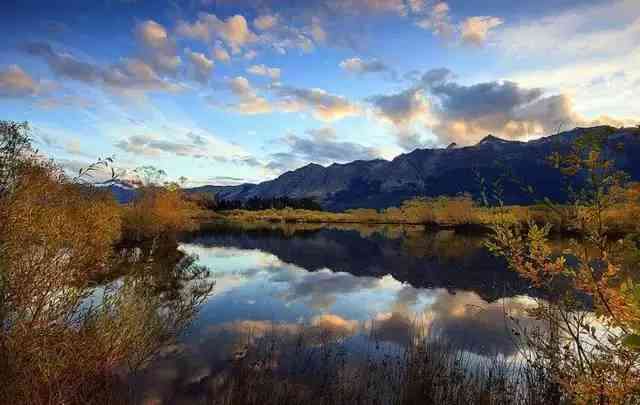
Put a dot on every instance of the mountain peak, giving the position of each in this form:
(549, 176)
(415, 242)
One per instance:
(435, 172)
(494, 140)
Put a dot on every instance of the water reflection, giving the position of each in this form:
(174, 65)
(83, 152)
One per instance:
(383, 285)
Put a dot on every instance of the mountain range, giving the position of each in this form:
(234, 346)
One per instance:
(492, 164)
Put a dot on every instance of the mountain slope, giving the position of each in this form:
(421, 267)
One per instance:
(434, 172)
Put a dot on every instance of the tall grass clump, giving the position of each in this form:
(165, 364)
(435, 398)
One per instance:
(309, 365)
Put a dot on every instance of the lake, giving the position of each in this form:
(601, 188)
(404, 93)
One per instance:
(361, 285)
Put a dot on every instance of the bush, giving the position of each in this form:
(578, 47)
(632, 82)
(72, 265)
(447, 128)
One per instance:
(157, 212)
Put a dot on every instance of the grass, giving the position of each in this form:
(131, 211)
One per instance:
(443, 213)
(314, 366)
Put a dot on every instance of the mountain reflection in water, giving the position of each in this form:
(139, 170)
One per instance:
(359, 283)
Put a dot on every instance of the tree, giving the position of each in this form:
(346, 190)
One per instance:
(594, 358)
(15, 146)
(150, 175)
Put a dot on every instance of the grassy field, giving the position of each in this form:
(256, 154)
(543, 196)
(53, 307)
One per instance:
(442, 212)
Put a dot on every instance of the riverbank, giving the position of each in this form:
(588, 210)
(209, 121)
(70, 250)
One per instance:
(459, 214)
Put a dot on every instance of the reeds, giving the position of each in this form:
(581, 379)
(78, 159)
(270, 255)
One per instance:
(312, 367)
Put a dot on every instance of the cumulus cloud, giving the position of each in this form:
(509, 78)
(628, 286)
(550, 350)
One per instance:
(323, 105)
(401, 109)
(202, 66)
(438, 20)
(263, 70)
(464, 114)
(283, 37)
(359, 66)
(234, 31)
(221, 54)
(16, 83)
(135, 75)
(404, 111)
(157, 47)
(467, 113)
(249, 102)
(475, 30)
(265, 22)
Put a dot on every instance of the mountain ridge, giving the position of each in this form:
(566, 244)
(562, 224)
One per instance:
(429, 172)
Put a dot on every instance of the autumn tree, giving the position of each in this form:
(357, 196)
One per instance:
(63, 338)
(591, 343)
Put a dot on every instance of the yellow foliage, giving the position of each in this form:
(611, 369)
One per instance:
(157, 212)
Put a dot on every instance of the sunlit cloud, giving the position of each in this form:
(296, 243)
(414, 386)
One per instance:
(323, 105)
(475, 30)
(157, 47)
(263, 70)
(202, 66)
(249, 102)
(15, 82)
(234, 30)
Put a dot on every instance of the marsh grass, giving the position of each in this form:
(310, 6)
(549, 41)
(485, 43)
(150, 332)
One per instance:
(312, 366)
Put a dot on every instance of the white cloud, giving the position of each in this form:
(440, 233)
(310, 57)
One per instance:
(265, 22)
(262, 70)
(475, 30)
(202, 66)
(359, 66)
(581, 32)
(323, 105)
(221, 54)
(249, 101)
(438, 20)
(158, 48)
(250, 54)
(576, 52)
(234, 31)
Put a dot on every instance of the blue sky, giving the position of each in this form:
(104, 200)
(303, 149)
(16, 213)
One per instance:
(225, 92)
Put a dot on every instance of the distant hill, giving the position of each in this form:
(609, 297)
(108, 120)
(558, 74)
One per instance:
(122, 191)
(434, 172)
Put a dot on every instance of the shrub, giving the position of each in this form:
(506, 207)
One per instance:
(593, 357)
(157, 212)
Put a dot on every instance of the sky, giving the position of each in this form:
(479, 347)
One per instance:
(234, 91)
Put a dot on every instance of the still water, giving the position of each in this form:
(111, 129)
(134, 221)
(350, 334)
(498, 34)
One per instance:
(361, 283)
